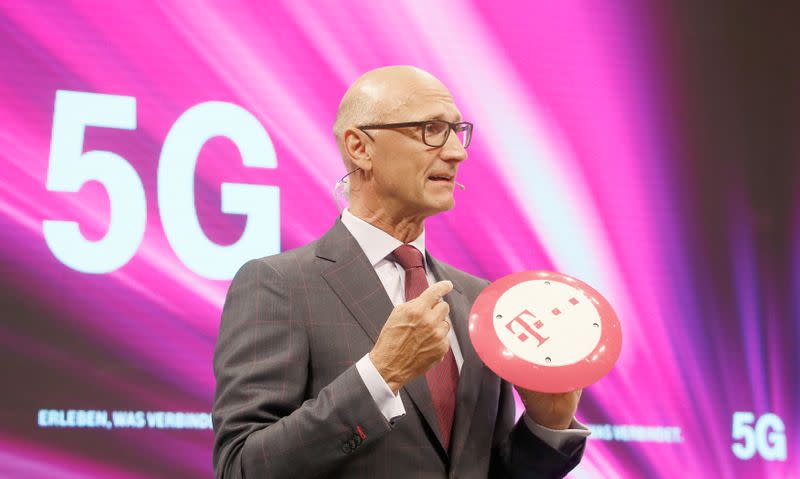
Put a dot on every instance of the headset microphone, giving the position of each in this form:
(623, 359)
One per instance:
(342, 188)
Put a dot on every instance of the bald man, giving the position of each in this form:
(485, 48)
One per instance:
(350, 357)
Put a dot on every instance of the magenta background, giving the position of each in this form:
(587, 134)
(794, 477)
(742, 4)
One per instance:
(579, 164)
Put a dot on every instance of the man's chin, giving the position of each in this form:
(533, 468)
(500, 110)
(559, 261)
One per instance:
(442, 205)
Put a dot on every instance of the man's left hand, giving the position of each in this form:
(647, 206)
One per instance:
(554, 411)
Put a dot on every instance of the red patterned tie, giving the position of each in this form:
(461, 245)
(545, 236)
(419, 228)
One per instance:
(443, 376)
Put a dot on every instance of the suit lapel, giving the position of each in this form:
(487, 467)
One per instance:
(353, 279)
(470, 375)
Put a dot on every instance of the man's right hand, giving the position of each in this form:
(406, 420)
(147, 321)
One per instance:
(414, 337)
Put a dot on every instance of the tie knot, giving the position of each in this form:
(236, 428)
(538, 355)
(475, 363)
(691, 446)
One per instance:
(408, 257)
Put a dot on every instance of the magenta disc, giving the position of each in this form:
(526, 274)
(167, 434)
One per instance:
(545, 331)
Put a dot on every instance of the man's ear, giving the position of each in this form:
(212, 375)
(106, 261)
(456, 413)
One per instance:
(358, 148)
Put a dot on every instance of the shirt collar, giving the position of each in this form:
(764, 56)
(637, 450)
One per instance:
(376, 243)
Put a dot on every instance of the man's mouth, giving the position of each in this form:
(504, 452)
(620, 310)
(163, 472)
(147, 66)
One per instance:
(444, 178)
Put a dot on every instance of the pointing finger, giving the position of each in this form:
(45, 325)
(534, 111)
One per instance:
(434, 293)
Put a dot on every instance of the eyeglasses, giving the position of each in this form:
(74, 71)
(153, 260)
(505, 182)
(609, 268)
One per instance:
(434, 132)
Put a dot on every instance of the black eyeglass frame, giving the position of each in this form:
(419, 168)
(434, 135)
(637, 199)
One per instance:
(457, 126)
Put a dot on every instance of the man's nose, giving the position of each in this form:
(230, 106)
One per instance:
(453, 150)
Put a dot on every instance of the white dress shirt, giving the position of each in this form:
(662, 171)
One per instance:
(378, 245)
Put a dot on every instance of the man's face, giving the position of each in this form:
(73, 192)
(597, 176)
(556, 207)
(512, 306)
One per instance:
(411, 177)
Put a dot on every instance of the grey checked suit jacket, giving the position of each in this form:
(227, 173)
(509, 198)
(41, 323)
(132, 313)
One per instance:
(289, 401)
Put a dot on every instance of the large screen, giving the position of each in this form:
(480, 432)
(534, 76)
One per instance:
(149, 149)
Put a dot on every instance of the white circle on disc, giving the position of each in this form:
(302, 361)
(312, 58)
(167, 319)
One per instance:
(541, 319)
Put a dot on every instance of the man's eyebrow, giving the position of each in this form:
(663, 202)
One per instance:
(442, 116)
